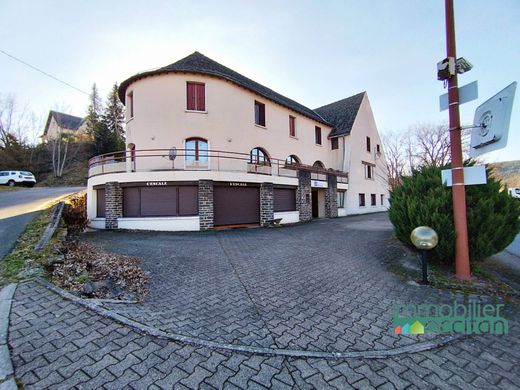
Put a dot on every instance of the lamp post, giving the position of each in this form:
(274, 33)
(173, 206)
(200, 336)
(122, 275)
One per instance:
(424, 238)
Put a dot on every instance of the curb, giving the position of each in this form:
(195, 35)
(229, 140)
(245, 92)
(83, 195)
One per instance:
(6, 366)
(150, 331)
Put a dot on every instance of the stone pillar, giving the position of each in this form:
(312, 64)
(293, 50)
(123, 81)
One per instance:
(206, 204)
(266, 203)
(303, 195)
(113, 204)
(331, 197)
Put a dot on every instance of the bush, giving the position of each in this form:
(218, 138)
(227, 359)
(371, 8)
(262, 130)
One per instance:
(493, 216)
(75, 214)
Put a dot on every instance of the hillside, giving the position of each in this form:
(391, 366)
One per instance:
(508, 172)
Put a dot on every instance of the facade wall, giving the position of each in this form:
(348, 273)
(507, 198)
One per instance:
(162, 121)
(364, 126)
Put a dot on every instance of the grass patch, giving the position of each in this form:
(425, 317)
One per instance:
(23, 255)
(4, 188)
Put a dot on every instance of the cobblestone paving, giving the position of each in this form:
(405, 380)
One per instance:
(58, 345)
(321, 286)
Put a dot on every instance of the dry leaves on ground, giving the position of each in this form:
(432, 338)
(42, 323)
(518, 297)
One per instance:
(87, 264)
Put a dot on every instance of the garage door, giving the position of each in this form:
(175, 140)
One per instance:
(236, 206)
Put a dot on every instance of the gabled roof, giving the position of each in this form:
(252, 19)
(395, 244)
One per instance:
(198, 63)
(341, 114)
(65, 121)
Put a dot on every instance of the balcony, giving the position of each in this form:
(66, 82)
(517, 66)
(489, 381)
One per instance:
(154, 160)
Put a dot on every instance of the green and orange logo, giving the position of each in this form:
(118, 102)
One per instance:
(471, 318)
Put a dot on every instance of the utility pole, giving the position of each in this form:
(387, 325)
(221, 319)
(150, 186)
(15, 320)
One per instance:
(462, 268)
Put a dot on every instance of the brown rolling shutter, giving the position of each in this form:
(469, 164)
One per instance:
(100, 203)
(284, 199)
(158, 201)
(235, 206)
(188, 200)
(131, 202)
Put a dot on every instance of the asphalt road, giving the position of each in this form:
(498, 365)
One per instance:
(18, 208)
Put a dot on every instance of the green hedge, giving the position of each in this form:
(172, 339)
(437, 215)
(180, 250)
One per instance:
(493, 216)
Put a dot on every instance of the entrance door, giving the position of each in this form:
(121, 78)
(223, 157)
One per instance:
(315, 212)
(236, 206)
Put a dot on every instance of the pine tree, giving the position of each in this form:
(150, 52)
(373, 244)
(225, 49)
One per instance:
(93, 112)
(422, 199)
(113, 119)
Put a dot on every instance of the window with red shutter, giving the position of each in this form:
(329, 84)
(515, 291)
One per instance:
(292, 126)
(196, 96)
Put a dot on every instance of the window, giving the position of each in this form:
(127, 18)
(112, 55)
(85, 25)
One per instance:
(368, 144)
(259, 156)
(196, 99)
(130, 103)
(196, 151)
(369, 171)
(259, 113)
(334, 143)
(382, 199)
(373, 199)
(292, 159)
(160, 201)
(378, 149)
(361, 200)
(292, 126)
(284, 199)
(318, 164)
(317, 135)
(341, 199)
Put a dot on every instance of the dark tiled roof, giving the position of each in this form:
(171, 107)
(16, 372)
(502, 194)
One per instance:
(67, 121)
(341, 114)
(198, 63)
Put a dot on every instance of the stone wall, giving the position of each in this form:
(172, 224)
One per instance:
(113, 204)
(303, 196)
(266, 203)
(206, 204)
(331, 197)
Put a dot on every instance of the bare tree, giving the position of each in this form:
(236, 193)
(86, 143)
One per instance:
(431, 144)
(394, 147)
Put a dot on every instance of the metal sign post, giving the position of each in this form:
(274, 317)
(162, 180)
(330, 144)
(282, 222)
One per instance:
(462, 267)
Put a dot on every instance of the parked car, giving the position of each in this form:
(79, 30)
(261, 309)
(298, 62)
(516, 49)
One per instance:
(515, 192)
(11, 178)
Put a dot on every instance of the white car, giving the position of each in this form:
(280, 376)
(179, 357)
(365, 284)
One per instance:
(11, 178)
(515, 192)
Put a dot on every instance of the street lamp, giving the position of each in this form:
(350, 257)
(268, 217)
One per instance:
(424, 238)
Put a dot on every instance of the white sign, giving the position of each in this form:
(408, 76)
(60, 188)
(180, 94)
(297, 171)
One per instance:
(472, 175)
(319, 184)
(491, 123)
(467, 93)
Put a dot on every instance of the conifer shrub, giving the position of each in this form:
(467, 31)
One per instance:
(421, 199)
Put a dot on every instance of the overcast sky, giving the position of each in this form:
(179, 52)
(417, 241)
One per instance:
(315, 52)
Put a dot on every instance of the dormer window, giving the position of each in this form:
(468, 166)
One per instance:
(196, 96)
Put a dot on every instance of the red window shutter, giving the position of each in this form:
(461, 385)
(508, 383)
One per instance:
(191, 96)
(201, 97)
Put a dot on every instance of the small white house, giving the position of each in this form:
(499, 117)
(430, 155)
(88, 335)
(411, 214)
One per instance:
(208, 147)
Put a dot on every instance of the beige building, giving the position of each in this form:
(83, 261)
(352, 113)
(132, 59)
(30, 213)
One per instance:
(59, 123)
(208, 147)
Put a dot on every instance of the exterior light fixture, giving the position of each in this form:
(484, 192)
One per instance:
(424, 238)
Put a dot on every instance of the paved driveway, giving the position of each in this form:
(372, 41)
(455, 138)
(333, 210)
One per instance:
(316, 287)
